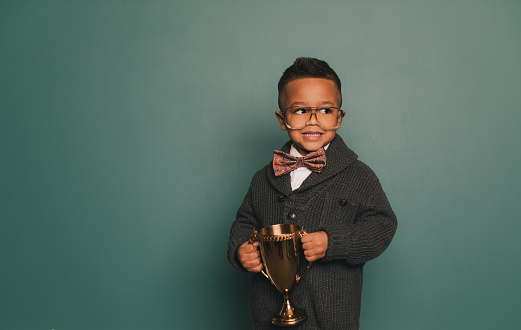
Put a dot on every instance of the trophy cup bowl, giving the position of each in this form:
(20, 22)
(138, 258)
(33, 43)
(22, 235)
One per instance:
(280, 251)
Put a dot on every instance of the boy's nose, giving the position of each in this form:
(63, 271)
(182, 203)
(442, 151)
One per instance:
(313, 120)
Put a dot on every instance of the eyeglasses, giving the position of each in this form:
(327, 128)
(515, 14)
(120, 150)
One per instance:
(300, 117)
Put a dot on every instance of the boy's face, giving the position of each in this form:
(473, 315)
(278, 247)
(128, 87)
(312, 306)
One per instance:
(309, 92)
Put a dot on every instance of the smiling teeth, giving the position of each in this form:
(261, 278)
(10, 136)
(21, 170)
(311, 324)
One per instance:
(311, 134)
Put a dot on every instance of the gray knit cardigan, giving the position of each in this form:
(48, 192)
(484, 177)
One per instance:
(347, 202)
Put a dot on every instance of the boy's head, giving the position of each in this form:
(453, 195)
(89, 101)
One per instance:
(307, 67)
(309, 101)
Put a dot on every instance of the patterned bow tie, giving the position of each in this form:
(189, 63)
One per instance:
(284, 163)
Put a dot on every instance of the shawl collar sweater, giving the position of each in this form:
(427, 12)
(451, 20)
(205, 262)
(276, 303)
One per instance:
(347, 202)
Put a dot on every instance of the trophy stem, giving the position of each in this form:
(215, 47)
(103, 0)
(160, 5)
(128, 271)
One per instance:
(288, 315)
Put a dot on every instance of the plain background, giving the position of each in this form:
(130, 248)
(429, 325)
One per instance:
(130, 130)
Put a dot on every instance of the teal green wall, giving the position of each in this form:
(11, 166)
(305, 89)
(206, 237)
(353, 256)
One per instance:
(129, 132)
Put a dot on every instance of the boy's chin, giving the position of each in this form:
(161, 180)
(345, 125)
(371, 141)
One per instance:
(306, 144)
(305, 149)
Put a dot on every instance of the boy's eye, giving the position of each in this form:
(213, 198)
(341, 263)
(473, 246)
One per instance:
(300, 111)
(325, 110)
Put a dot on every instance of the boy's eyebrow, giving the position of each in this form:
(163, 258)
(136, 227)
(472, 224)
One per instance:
(301, 103)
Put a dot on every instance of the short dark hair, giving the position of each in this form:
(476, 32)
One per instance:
(307, 67)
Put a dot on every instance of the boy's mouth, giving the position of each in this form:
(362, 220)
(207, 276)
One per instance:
(312, 135)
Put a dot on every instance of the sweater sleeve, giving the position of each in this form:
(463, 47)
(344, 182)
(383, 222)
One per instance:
(241, 230)
(369, 235)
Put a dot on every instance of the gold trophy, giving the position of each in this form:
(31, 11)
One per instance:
(280, 251)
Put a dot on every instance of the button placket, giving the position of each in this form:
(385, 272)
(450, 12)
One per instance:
(289, 211)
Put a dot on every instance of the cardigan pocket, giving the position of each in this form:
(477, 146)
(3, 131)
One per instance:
(339, 209)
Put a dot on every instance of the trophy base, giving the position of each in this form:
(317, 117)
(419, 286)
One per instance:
(285, 319)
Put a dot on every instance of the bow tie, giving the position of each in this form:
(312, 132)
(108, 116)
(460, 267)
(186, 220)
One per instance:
(284, 163)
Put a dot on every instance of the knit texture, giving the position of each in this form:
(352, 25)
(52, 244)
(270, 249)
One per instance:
(347, 202)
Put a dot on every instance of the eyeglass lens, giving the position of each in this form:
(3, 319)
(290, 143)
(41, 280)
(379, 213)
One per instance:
(299, 117)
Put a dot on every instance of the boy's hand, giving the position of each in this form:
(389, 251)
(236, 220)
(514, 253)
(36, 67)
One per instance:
(249, 256)
(315, 245)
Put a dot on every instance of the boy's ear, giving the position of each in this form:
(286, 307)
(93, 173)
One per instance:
(280, 118)
(341, 119)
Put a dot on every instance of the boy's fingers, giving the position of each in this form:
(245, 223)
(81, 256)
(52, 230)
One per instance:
(307, 246)
(310, 253)
(253, 265)
(254, 246)
(306, 238)
(248, 248)
(255, 269)
(252, 249)
(253, 256)
(312, 258)
(249, 256)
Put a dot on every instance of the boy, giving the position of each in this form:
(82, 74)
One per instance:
(334, 196)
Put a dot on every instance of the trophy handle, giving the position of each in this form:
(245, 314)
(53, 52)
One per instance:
(254, 237)
(302, 233)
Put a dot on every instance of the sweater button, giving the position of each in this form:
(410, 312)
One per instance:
(281, 198)
(343, 202)
(292, 215)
